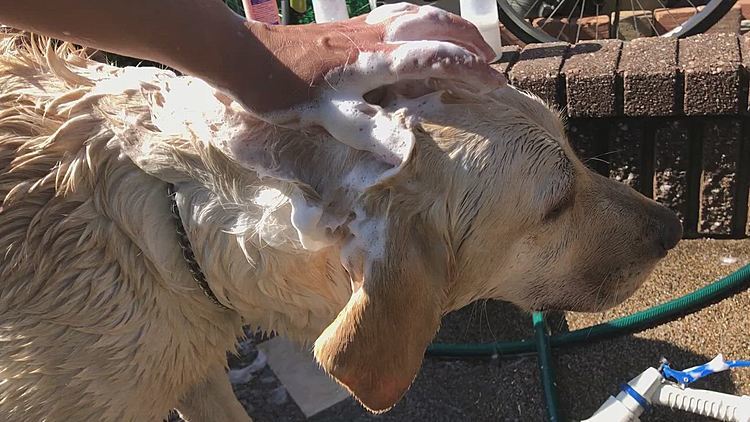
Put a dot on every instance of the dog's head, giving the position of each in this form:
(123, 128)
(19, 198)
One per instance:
(491, 203)
(488, 200)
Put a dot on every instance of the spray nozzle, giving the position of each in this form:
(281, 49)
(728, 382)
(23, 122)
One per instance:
(690, 375)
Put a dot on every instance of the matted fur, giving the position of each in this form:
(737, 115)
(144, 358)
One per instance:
(100, 319)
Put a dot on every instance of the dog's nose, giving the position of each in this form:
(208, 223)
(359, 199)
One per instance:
(670, 228)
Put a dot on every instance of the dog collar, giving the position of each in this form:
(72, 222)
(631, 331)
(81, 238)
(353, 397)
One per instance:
(187, 250)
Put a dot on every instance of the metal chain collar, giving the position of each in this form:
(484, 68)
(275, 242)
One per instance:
(187, 250)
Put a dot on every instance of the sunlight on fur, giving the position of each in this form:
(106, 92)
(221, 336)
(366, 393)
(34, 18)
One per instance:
(296, 233)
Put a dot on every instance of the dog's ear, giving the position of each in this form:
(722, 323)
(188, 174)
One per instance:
(376, 344)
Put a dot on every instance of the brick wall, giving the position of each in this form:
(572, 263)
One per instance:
(669, 118)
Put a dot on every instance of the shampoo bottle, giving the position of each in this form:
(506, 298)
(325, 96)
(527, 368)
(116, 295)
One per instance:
(330, 10)
(266, 11)
(483, 14)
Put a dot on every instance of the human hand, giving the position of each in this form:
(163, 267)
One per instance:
(393, 43)
(317, 76)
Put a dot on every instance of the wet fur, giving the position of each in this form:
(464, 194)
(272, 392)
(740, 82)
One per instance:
(101, 320)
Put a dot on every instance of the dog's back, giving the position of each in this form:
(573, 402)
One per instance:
(79, 337)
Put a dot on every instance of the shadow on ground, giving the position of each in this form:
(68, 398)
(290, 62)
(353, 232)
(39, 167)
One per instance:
(506, 389)
(510, 389)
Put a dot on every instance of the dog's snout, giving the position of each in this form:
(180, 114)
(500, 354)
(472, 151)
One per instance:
(670, 228)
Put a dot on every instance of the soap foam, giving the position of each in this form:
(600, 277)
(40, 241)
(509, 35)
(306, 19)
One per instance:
(187, 106)
(387, 133)
(387, 11)
(306, 220)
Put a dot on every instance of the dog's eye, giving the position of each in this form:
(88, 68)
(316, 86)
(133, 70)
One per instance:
(558, 209)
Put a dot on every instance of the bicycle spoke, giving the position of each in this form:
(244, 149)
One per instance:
(564, 26)
(676, 21)
(529, 9)
(552, 14)
(650, 21)
(596, 23)
(533, 25)
(635, 21)
(578, 30)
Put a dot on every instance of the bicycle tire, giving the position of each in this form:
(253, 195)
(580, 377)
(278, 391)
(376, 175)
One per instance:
(699, 23)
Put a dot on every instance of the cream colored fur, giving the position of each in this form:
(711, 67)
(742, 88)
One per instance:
(101, 320)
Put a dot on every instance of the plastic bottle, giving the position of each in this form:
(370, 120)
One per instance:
(330, 10)
(483, 14)
(266, 11)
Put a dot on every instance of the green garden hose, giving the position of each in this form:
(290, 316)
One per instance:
(639, 321)
(648, 318)
(544, 356)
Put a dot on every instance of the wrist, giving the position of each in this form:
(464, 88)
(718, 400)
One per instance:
(251, 70)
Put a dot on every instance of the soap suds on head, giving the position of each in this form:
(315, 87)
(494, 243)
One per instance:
(190, 108)
(385, 132)
(366, 243)
(306, 220)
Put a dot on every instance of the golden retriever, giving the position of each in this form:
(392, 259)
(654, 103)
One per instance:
(101, 319)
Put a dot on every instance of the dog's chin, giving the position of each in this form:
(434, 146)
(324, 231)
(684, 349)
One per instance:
(610, 291)
(583, 306)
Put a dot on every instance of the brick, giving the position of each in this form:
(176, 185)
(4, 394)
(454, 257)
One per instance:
(625, 153)
(575, 29)
(590, 143)
(711, 86)
(671, 166)
(634, 24)
(508, 58)
(649, 71)
(745, 53)
(538, 70)
(593, 27)
(729, 23)
(721, 154)
(556, 27)
(590, 72)
(744, 183)
(508, 39)
(744, 8)
(667, 19)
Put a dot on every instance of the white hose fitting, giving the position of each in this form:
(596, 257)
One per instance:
(651, 387)
(628, 406)
(724, 407)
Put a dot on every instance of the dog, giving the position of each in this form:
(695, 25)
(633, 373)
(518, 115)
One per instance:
(107, 313)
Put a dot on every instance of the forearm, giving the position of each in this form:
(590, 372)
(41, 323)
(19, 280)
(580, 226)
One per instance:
(198, 37)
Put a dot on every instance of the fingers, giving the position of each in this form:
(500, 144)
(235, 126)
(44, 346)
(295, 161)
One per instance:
(407, 22)
(388, 11)
(415, 60)
(443, 60)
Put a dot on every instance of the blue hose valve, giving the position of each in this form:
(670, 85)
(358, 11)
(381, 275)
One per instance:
(691, 375)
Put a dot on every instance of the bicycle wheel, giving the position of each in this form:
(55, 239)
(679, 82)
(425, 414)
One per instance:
(533, 21)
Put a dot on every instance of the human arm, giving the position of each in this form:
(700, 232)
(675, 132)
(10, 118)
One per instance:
(266, 68)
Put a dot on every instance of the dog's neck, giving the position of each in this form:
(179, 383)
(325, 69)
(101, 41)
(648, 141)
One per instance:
(267, 277)
(187, 251)
(239, 223)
